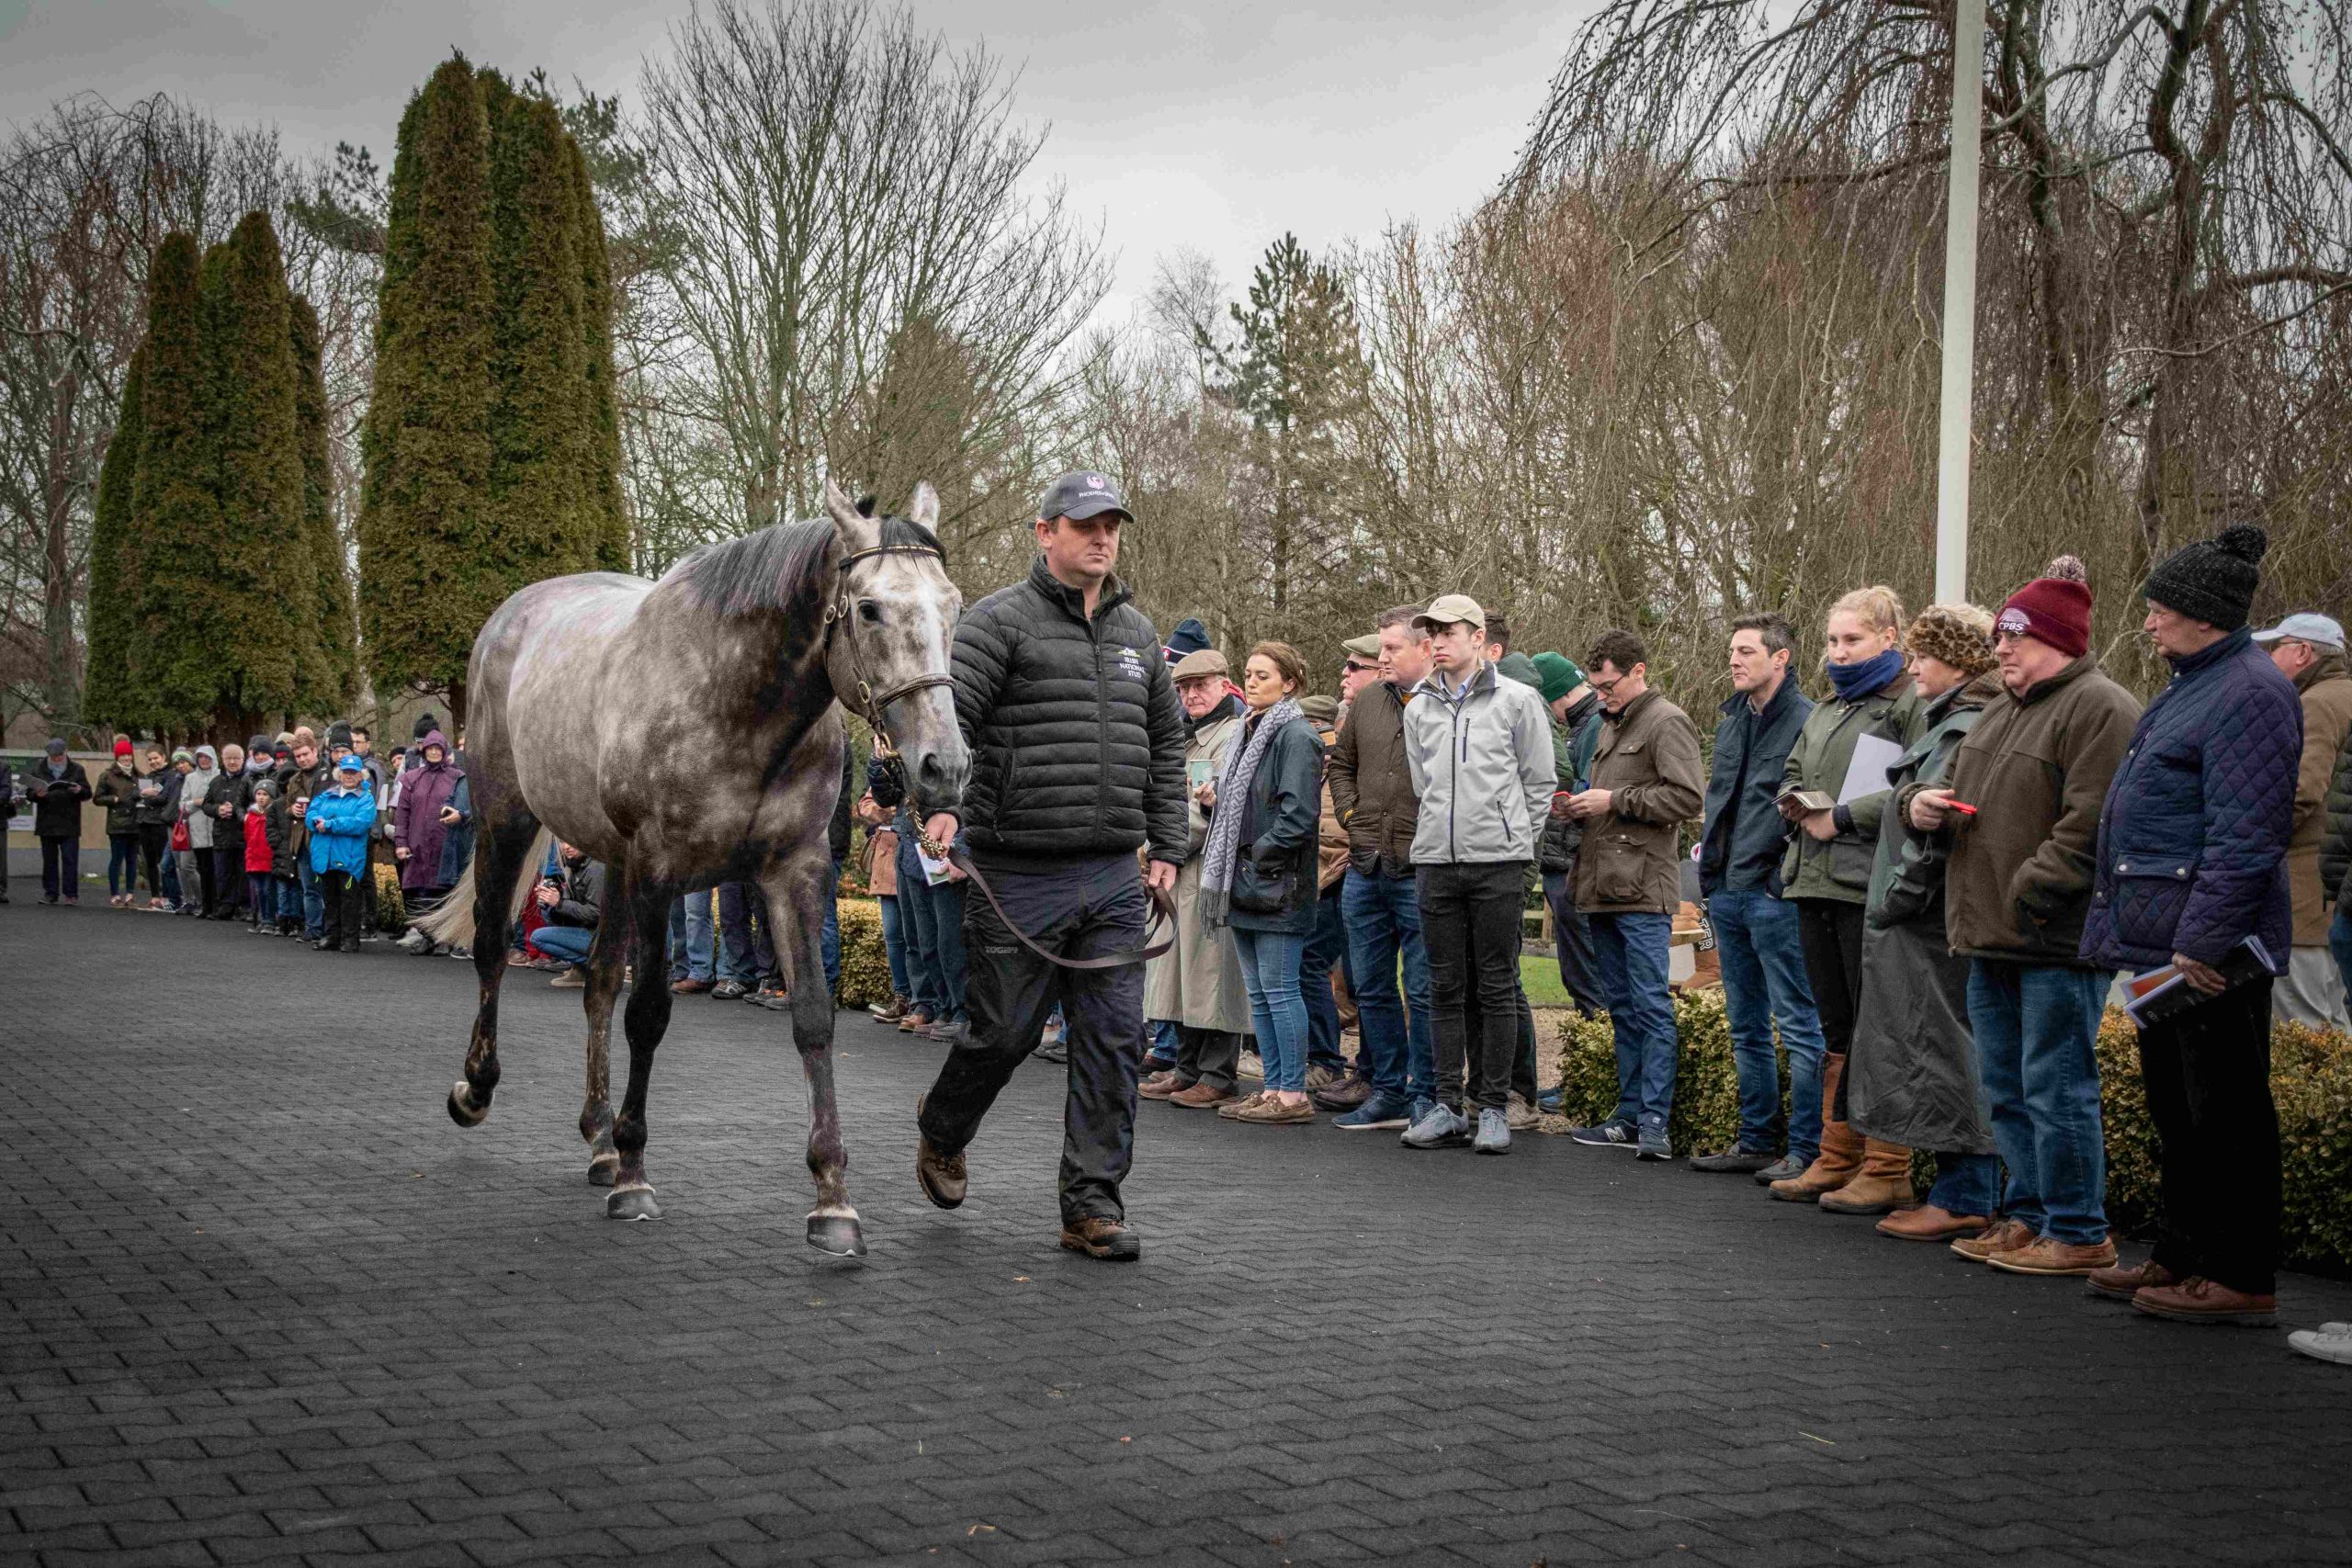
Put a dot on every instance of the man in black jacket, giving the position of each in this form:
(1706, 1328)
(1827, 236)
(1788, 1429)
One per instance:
(1063, 693)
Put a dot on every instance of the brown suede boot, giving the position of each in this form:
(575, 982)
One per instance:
(1883, 1186)
(1840, 1159)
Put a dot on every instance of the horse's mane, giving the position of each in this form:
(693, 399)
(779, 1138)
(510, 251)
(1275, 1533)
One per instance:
(779, 568)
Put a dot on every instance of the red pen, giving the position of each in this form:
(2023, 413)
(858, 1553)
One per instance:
(1961, 807)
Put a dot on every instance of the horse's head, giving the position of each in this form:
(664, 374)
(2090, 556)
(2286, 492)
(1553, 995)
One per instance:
(888, 655)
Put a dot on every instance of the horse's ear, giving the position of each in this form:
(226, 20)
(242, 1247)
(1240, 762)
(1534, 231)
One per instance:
(924, 508)
(857, 531)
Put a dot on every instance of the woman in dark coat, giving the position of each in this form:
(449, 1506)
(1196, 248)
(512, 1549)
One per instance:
(152, 816)
(117, 793)
(1911, 1077)
(1258, 870)
(418, 832)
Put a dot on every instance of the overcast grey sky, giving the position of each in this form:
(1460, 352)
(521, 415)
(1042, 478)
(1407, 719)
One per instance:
(1213, 125)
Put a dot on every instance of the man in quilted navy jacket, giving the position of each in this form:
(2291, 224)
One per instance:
(2192, 860)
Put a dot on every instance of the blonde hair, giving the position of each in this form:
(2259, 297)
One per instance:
(1877, 606)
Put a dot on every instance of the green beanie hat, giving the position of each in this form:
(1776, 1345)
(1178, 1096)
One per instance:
(1556, 676)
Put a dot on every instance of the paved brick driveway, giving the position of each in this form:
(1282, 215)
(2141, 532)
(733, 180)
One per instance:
(260, 1300)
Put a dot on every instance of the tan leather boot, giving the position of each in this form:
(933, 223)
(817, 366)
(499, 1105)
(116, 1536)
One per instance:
(1840, 1159)
(1883, 1185)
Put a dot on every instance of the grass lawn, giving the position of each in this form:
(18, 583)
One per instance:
(1540, 977)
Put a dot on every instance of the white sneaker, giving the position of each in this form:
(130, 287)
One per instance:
(2322, 1345)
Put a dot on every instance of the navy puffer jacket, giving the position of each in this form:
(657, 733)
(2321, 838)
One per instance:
(1077, 737)
(2192, 840)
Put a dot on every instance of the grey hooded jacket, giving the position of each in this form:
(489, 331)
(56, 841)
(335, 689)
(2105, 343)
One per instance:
(1482, 767)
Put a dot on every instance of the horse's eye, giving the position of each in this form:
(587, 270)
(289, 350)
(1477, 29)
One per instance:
(869, 612)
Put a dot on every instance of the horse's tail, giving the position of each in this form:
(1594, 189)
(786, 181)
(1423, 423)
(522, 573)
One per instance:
(452, 919)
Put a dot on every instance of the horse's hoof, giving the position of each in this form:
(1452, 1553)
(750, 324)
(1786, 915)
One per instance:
(837, 1235)
(631, 1203)
(463, 1110)
(602, 1170)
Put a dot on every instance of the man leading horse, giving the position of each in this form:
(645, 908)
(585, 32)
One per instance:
(1063, 696)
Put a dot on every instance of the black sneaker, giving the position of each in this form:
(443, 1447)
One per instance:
(1058, 1052)
(729, 991)
(1614, 1133)
(1733, 1162)
(1654, 1144)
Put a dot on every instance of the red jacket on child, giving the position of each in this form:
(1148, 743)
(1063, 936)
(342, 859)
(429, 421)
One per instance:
(258, 858)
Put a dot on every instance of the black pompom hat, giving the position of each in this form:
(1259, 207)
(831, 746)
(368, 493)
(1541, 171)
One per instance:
(2211, 580)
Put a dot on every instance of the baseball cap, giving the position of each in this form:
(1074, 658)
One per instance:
(1448, 609)
(1364, 646)
(351, 763)
(1082, 496)
(1199, 665)
(2320, 631)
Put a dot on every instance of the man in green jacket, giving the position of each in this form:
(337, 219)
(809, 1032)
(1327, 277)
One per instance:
(1648, 780)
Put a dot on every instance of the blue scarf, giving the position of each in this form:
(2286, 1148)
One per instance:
(1856, 680)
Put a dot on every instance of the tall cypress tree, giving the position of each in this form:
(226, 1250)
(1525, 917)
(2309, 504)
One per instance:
(175, 511)
(111, 693)
(538, 410)
(328, 602)
(424, 513)
(260, 567)
(608, 517)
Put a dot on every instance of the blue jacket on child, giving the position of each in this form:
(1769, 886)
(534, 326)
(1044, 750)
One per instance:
(340, 823)
(2192, 840)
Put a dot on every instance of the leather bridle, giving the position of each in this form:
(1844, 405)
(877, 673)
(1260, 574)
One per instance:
(869, 703)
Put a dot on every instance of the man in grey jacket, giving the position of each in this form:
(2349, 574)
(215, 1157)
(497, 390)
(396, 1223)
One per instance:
(1480, 752)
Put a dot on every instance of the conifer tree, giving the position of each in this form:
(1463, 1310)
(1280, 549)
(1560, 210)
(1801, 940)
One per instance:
(175, 512)
(424, 500)
(328, 602)
(607, 514)
(260, 574)
(111, 692)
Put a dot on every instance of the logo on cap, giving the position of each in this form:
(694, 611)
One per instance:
(1096, 482)
(2014, 621)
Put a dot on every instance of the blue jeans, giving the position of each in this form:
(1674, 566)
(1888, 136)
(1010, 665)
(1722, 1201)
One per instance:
(1764, 983)
(2339, 943)
(1632, 950)
(831, 940)
(315, 909)
(1164, 1043)
(938, 921)
(924, 983)
(1270, 974)
(690, 939)
(747, 953)
(1383, 915)
(1966, 1184)
(566, 944)
(1327, 946)
(172, 876)
(2034, 1027)
(122, 863)
(894, 944)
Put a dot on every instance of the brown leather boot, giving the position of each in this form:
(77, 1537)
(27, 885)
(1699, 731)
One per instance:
(1840, 1159)
(1881, 1187)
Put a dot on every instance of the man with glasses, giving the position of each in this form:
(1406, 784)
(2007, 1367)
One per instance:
(2309, 650)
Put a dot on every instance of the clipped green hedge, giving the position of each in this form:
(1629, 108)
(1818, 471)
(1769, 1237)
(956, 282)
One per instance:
(865, 964)
(2310, 1080)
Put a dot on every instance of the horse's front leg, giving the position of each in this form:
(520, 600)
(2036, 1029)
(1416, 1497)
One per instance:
(607, 957)
(645, 1021)
(796, 894)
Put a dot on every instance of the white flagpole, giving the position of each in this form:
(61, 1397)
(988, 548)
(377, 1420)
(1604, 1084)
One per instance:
(1959, 304)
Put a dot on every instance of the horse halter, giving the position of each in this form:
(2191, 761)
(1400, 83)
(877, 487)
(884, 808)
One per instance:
(870, 702)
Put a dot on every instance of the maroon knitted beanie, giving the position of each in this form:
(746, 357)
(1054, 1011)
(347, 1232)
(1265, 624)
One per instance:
(2055, 607)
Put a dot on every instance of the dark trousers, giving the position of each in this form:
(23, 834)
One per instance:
(261, 897)
(153, 839)
(1470, 925)
(1831, 932)
(1572, 941)
(122, 863)
(1327, 946)
(2208, 1077)
(1081, 909)
(208, 888)
(1522, 1054)
(60, 868)
(229, 876)
(1212, 1056)
(339, 900)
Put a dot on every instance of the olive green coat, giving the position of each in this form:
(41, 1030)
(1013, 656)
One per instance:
(1839, 868)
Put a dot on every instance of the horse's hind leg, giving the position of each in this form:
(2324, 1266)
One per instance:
(796, 893)
(498, 861)
(646, 1017)
(607, 957)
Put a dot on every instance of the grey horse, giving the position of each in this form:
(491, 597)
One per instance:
(684, 732)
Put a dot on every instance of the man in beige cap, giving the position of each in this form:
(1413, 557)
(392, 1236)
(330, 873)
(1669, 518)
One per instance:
(1480, 749)
(1197, 986)
(1360, 669)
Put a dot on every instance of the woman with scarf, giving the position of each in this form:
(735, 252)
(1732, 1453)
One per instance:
(200, 888)
(1911, 1073)
(1826, 872)
(1258, 870)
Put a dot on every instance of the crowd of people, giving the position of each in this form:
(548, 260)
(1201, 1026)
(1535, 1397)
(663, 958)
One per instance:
(1922, 884)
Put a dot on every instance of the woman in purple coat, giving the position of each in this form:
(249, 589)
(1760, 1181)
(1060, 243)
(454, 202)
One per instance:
(418, 820)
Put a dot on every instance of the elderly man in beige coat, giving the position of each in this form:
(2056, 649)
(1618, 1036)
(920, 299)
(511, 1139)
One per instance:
(2308, 648)
(1199, 983)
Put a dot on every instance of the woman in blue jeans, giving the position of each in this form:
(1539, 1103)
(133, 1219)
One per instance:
(1258, 870)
